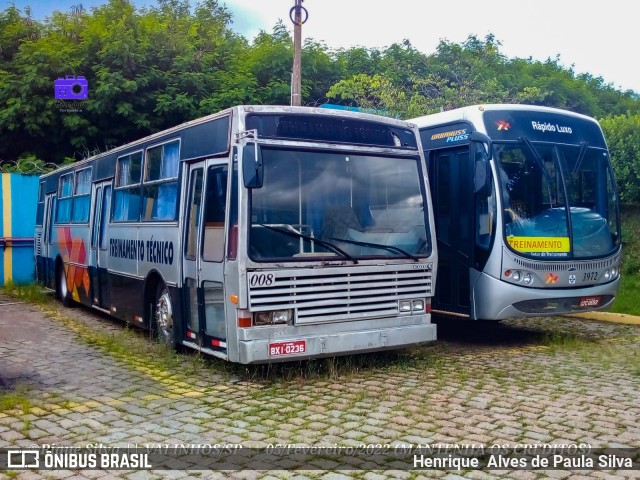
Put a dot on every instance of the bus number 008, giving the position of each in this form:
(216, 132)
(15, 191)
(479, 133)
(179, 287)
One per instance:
(261, 280)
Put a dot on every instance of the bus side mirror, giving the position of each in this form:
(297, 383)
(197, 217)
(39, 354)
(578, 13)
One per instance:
(252, 167)
(481, 138)
(482, 170)
(481, 177)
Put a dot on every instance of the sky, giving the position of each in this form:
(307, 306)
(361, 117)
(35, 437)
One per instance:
(592, 36)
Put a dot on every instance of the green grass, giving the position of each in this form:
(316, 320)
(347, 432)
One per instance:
(16, 399)
(627, 299)
(30, 293)
(559, 340)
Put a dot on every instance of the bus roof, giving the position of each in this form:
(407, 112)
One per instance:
(227, 113)
(509, 122)
(473, 113)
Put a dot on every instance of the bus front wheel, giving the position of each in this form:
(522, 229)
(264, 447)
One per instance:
(164, 325)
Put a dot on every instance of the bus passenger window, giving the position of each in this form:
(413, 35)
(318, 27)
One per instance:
(127, 190)
(160, 192)
(65, 198)
(81, 196)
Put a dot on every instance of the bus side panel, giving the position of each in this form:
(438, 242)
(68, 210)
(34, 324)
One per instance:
(103, 279)
(138, 253)
(45, 271)
(232, 288)
(71, 245)
(50, 272)
(127, 302)
(161, 244)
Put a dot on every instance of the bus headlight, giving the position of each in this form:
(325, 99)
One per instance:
(518, 276)
(282, 316)
(404, 306)
(276, 317)
(417, 305)
(607, 275)
(614, 272)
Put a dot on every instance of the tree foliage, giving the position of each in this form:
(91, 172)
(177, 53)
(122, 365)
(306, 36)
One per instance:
(151, 68)
(623, 137)
(472, 72)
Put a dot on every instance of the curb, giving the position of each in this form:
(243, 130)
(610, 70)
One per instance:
(610, 317)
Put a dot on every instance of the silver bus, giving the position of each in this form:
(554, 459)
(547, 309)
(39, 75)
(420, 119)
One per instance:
(527, 214)
(256, 234)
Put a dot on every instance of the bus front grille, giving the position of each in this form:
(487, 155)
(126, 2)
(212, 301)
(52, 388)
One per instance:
(569, 266)
(329, 295)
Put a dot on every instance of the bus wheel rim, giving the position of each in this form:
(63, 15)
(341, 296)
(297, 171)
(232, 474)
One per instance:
(64, 291)
(164, 316)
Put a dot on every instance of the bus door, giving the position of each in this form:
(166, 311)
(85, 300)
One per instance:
(204, 247)
(452, 173)
(46, 263)
(99, 253)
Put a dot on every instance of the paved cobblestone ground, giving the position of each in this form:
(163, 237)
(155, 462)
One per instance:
(74, 381)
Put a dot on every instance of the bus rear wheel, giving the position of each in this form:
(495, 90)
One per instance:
(164, 322)
(61, 286)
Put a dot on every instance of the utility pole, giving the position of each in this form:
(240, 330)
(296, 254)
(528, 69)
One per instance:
(298, 15)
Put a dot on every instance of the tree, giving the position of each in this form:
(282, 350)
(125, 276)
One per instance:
(414, 85)
(320, 70)
(269, 61)
(155, 67)
(623, 137)
(146, 69)
(374, 92)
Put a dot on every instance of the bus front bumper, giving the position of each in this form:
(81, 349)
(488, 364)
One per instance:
(498, 300)
(304, 347)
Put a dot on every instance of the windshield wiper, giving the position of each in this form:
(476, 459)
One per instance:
(583, 150)
(537, 158)
(294, 233)
(390, 248)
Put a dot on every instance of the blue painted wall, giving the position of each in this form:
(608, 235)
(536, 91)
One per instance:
(18, 204)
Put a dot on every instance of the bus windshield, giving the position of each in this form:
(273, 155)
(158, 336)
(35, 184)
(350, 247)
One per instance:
(541, 182)
(338, 206)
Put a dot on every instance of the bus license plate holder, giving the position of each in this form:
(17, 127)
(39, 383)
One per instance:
(291, 347)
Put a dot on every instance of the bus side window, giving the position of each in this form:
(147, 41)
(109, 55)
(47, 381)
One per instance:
(193, 219)
(106, 207)
(214, 213)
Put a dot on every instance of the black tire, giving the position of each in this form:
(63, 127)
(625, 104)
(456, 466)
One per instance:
(162, 319)
(61, 287)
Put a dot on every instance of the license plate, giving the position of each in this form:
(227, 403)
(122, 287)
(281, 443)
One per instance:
(590, 301)
(287, 348)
